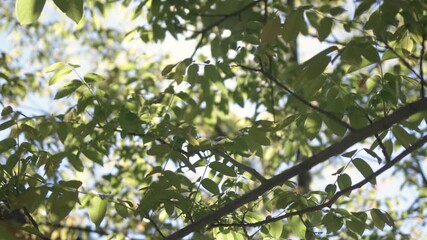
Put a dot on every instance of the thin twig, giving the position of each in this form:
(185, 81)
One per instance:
(421, 172)
(299, 98)
(155, 225)
(380, 143)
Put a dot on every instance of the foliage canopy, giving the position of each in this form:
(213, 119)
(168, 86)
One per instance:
(252, 134)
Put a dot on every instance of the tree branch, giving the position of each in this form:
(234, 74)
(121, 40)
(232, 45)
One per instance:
(335, 149)
(329, 203)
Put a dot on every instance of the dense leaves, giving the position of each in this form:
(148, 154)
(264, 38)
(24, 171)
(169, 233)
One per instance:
(270, 126)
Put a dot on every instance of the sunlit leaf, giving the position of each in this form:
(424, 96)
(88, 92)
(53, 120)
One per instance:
(28, 11)
(97, 209)
(276, 229)
(68, 89)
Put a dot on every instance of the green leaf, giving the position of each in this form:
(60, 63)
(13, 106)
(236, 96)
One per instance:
(7, 144)
(122, 210)
(294, 23)
(166, 70)
(312, 126)
(332, 222)
(373, 154)
(55, 67)
(223, 168)
(75, 162)
(179, 72)
(28, 11)
(7, 124)
(11, 162)
(330, 190)
(159, 150)
(92, 77)
(335, 128)
(6, 111)
(358, 118)
(97, 209)
(344, 181)
(68, 89)
(316, 65)
(403, 137)
(364, 169)
(371, 53)
(270, 31)
(72, 8)
(71, 184)
(378, 218)
(325, 28)
(93, 155)
(349, 154)
(210, 185)
(356, 226)
(192, 73)
(59, 75)
(276, 229)
(259, 136)
(62, 204)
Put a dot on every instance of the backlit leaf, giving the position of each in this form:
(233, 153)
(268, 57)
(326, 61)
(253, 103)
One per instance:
(276, 229)
(97, 209)
(364, 169)
(28, 11)
(68, 89)
(403, 137)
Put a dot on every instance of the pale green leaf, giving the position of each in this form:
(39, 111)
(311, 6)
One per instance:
(55, 67)
(97, 209)
(28, 11)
